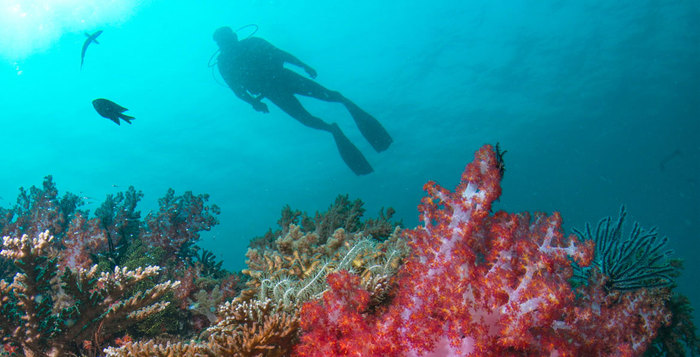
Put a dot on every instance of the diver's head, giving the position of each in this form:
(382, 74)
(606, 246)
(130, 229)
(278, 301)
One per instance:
(225, 36)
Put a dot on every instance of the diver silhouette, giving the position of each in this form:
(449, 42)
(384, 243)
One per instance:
(254, 69)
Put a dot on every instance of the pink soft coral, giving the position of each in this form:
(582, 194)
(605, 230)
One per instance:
(477, 284)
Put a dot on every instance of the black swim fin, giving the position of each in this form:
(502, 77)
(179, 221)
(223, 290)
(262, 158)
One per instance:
(370, 127)
(350, 153)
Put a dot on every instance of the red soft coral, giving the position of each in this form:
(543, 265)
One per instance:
(476, 284)
(340, 322)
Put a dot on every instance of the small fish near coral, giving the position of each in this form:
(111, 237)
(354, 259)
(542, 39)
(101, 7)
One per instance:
(111, 110)
(90, 39)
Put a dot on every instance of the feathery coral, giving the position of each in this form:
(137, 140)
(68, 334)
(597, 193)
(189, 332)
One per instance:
(632, 263)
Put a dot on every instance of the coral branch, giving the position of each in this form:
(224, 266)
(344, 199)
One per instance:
(35, 320)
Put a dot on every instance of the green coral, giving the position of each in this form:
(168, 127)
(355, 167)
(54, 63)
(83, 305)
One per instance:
(679, 337)
(343, 213)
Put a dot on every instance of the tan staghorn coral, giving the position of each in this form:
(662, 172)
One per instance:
(152, 349)
(253, 328)
(205, 303)
(36, 318)
(249, 329)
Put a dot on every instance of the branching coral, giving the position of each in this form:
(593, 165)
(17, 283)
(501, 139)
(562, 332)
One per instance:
(205, 303)
(154, 349)
(102, 304)
(251, 328)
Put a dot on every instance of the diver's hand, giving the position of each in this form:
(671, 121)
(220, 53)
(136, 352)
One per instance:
(260, 106)
(310, 71)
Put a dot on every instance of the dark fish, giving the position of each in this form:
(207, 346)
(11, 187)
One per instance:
(90, 39)
(111, 110)
(676, 153)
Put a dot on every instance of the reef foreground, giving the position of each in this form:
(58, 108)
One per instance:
(467, 282)
(485, 284)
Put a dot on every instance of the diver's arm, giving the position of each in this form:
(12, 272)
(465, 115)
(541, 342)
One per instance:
(243, 94)
(246, 97)
(287, 57)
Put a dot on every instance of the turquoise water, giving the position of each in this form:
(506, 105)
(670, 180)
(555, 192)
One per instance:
(598, 105)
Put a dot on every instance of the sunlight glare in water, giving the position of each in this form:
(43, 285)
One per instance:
(29, 26)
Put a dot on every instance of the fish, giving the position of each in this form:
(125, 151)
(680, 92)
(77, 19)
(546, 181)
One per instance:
(111, 110)
(90, 39)
(676, 153)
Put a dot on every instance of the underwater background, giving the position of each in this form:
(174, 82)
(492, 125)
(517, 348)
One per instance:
(597, 104)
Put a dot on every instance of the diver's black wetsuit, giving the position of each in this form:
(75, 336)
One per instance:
(254, 69)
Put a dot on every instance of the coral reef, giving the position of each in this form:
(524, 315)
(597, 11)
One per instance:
(47, 315)
(483, 284)
(38, 210)
(295, 272)
(467, 282)
(116, 236)
(283, 273)
(300, 255)
(343, 213)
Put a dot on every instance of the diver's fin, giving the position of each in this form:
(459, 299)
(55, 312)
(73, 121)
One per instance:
(350, 154)
(126, 118)
(370, 127)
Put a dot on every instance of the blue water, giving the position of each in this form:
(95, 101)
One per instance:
(597, 103)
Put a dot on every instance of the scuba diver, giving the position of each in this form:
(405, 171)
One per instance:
(254, 69)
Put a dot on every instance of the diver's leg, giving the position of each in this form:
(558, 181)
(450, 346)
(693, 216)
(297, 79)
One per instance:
(307, 87)
(291, 105)
(370, 127)
(348, 151)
